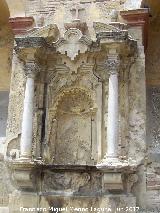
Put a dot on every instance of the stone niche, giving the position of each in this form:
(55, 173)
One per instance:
(71, 121)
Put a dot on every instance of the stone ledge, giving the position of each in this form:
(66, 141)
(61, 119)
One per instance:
(91, 168)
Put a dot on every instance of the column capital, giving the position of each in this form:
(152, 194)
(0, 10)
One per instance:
(112, 63)
(31, 69)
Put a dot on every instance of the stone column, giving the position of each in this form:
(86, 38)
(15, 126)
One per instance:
(113, 107)
(27, 121)
(112, 67)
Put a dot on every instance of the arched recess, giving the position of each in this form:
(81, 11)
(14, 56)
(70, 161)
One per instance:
(71, 125)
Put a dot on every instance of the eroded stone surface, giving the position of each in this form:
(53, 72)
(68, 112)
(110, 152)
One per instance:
(70, 113)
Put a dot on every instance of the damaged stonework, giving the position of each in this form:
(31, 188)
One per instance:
(76, 124)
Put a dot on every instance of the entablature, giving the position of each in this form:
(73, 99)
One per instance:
(75, 43)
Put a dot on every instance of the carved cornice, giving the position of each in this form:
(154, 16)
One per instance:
(86, 67)
(108, 31)
(33, 42)
(135, 17)
(138, 18)
(102, 27)
(116, 36)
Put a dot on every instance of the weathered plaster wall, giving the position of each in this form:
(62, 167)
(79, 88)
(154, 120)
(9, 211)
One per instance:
(103, 10)
(153, 111)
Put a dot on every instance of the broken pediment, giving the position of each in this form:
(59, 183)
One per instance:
(73, 43)
(49, 31)
(102, 27)
(112, 31)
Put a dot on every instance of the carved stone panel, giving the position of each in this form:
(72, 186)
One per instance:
(81, 183)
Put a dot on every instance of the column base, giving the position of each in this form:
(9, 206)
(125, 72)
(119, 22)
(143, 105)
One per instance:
(112, 162)
(24, 158)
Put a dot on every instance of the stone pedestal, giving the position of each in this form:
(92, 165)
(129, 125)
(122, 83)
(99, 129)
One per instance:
(23, 202)
(108, 203)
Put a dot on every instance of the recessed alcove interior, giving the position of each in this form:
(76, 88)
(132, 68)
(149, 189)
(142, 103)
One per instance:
(72, 128)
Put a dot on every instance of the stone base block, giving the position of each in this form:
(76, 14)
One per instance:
(23, 202)
(104, 204)
(69, 204)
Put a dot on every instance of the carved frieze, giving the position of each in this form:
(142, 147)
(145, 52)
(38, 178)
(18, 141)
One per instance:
(77, 183)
